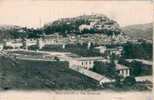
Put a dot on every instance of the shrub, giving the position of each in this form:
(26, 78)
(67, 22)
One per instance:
(129, 81)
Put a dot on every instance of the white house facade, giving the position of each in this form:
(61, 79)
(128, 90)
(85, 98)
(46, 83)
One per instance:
(1, 47)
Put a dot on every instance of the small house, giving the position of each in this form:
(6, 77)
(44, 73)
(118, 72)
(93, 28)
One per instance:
(122, 70)
(85, 62)
(101, 49)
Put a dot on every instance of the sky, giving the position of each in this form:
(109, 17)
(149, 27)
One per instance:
(34, 13)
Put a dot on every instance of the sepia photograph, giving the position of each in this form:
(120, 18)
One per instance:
(76, 50)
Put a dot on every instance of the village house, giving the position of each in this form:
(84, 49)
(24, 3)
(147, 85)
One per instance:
(85, 62)
(29, 42)
(88, 63)
(84, 26)
(101, 49)
(54, 39)
(1, 46)
(117, 51)
(15, 44)
(122, 70)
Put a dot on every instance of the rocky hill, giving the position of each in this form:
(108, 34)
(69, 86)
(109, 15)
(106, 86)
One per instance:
(140, 31)
(96, 23)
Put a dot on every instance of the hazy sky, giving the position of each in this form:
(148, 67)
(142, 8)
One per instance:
(29, 13)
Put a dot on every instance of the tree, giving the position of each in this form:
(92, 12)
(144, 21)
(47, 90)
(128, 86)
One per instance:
(56, 58)
(133, 50)
(136, 67)
(129, 81)
(107, 69)
(123, 62)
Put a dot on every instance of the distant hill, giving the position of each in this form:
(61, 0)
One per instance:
(11, 32)
(143, 31)
(95, 23)
(14, 32)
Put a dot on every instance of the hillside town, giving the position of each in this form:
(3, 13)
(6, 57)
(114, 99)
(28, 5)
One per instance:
(98, 56)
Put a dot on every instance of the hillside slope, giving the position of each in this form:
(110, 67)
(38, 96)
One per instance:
(12, 32)
(36, 75)
(143, 31)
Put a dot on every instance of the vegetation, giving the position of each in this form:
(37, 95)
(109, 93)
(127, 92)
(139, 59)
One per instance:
(43, 75)
(34, 75)
(136, 86)
(141, 51)
(106, 69)
(71, 25)
(16, 32)
(78, 49)
(140, 31)
(137, 68)
(129, 81)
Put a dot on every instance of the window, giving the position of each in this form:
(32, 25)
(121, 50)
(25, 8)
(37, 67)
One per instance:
(86, 62)
(126, 71)
(122, 72)
(81, 63)
(89, 62)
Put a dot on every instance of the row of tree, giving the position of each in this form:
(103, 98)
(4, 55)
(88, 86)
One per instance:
(137, 68)
(133, 50)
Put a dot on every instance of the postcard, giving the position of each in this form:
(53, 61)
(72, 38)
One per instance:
(76, 50)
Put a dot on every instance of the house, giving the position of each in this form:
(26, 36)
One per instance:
(122, 70)
(29, 42)
(85, 62)
(96, 76)
(101, 49)
(49, 41)
(99, 27)
(13, 43)
(116, 51)
(40, 43)
(84, 26)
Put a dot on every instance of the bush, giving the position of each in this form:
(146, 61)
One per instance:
(8, 47)
(129, 81)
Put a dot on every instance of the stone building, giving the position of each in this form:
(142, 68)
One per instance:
(15, 44)
(85, 62)
(122, 70)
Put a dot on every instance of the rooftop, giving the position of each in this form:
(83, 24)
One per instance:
(100, 47)
(119, 67)
(88, 58)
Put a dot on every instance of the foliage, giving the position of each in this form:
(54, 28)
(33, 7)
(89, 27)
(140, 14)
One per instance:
(15, 32)
(71, 25)
(8, 47)
(137, 68)
(142, 51)
(129, 81)
(78, 49)
(139, 31)
(107, 69)
(34, 75)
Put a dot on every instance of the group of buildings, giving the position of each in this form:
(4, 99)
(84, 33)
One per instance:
(88, 63)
